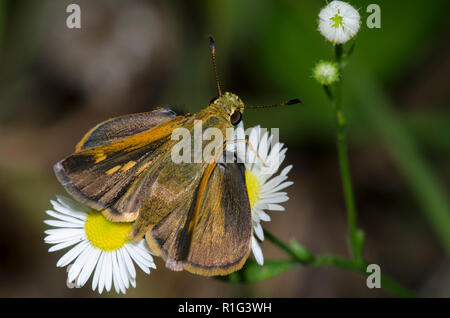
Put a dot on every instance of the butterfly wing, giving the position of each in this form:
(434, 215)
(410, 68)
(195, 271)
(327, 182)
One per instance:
(123, 126)
(211, 234)
(116, 160)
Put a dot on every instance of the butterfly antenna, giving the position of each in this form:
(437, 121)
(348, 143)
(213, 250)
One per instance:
(212, 47)
(289, 102)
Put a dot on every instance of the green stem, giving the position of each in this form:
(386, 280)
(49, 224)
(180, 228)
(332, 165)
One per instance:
(355, 236)
(333, 261)
(328, 92)
(285, 248)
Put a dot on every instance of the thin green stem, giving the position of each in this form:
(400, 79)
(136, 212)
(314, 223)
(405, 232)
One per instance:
(280, 244)
(333, 261)
(355, 236)
(328, 92)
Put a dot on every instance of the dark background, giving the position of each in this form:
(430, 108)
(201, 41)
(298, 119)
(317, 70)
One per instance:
(131, 56)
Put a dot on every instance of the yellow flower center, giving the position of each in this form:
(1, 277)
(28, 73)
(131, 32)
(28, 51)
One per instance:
(104, 234)
(337, 19)
(253, 187)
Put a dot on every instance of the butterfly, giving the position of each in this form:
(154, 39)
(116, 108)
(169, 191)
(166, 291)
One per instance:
(196, 215)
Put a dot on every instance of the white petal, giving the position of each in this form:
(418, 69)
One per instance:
(240, 146)
(65, 235)
(258, 231)
(108, 271)
(80, 262)
(64, 244)
(263, 147)
(275, 181)
(60, 233)
(125, 276)
(97, 274)
(72, 204)
(102, 272)
(137, 258)
(279, 199)
(88, 268)
(264, 216)
(64, 217)
(255, 214)
(286, 170)
(144, 252)
(118, 284)
(130, 266)
(67, 210)
(121, 280)
(257, 252)
(62, 224)
(282, 186)
(72, 254)
(275, 207)
(271, 195)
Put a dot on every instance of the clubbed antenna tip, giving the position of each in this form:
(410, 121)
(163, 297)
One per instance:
(293, 101)
(212, 45)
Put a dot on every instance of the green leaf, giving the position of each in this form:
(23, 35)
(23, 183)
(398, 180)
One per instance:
(253, 272)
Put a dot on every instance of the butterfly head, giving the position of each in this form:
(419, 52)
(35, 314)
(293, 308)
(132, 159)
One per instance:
(232, 104)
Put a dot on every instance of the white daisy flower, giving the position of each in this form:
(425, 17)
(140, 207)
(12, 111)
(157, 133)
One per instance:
(339, 22)
(263, 185)
(99, 247)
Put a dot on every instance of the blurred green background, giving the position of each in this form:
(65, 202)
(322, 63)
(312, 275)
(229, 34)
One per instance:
(131, 56)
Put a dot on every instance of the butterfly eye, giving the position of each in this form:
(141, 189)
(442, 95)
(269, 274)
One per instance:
(213, 99)
(236, 117)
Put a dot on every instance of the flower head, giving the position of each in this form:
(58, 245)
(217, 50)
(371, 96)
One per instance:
(339, 22)
(264, 185)
(326, 72)
(98, 246)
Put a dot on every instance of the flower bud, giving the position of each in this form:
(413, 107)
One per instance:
(326, 72)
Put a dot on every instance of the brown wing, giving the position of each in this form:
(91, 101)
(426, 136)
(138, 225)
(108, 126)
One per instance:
(112, 173)
(210, 235)
(123, 126)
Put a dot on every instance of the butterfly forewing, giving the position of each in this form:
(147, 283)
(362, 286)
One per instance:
(113, 174)
(123, 126)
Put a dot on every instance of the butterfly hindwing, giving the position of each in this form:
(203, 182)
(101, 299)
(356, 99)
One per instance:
(211, 234)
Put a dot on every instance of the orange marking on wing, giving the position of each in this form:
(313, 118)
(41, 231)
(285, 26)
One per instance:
(138, 140)
(201, 192)
(113, 170)
(128, 165)
(100, 157)
(144, 166)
